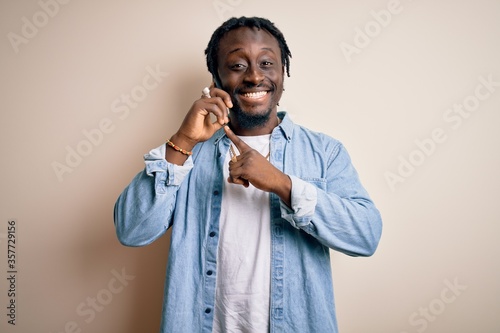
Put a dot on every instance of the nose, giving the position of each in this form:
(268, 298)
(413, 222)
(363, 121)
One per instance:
(254, 75)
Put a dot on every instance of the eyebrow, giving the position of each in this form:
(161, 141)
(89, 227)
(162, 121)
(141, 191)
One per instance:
(235, 50)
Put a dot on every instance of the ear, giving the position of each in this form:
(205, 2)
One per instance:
(216, 82)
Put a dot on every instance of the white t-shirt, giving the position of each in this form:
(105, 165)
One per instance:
(244, 255)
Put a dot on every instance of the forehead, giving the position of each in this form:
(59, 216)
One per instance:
(247, 39)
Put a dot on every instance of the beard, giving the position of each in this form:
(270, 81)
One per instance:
(248, 120)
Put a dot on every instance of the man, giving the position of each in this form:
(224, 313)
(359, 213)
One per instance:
(254, 205)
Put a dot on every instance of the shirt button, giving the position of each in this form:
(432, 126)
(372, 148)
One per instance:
(209, 273)
(212, 234)
(216, 192)
(208, 310)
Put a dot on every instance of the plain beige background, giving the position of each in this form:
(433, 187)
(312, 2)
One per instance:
(384, 77)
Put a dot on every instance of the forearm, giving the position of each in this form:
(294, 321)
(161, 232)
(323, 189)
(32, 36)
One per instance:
(351, 225)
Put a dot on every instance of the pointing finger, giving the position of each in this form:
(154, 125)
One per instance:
(240, 144)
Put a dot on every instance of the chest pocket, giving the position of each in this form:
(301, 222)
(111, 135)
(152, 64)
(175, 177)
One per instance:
(320, 183)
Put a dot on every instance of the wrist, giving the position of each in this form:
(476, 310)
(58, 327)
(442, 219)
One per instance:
(183, 142)
(178, 149)
(284, 189)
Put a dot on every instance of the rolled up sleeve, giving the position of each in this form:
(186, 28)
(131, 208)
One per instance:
(304, 198)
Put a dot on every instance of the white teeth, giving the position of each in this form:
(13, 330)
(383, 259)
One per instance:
(258, 94)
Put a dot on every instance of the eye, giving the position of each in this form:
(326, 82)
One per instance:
(237, 67)
(267, 63)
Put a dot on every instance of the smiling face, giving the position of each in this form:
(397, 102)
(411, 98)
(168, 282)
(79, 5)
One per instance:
(251, 71)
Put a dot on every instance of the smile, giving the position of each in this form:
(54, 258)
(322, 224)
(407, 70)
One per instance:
(255, 95)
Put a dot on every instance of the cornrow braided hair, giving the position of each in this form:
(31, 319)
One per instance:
(251, 22)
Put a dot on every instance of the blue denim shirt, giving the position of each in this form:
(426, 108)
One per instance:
(330, 210)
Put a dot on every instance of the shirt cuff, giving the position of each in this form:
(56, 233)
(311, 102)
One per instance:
(164, 172)
(304, 197)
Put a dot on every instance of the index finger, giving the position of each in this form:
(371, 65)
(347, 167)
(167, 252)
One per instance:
(240, 144)
(216, 92)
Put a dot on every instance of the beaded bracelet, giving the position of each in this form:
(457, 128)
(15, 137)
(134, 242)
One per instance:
(179, 149)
